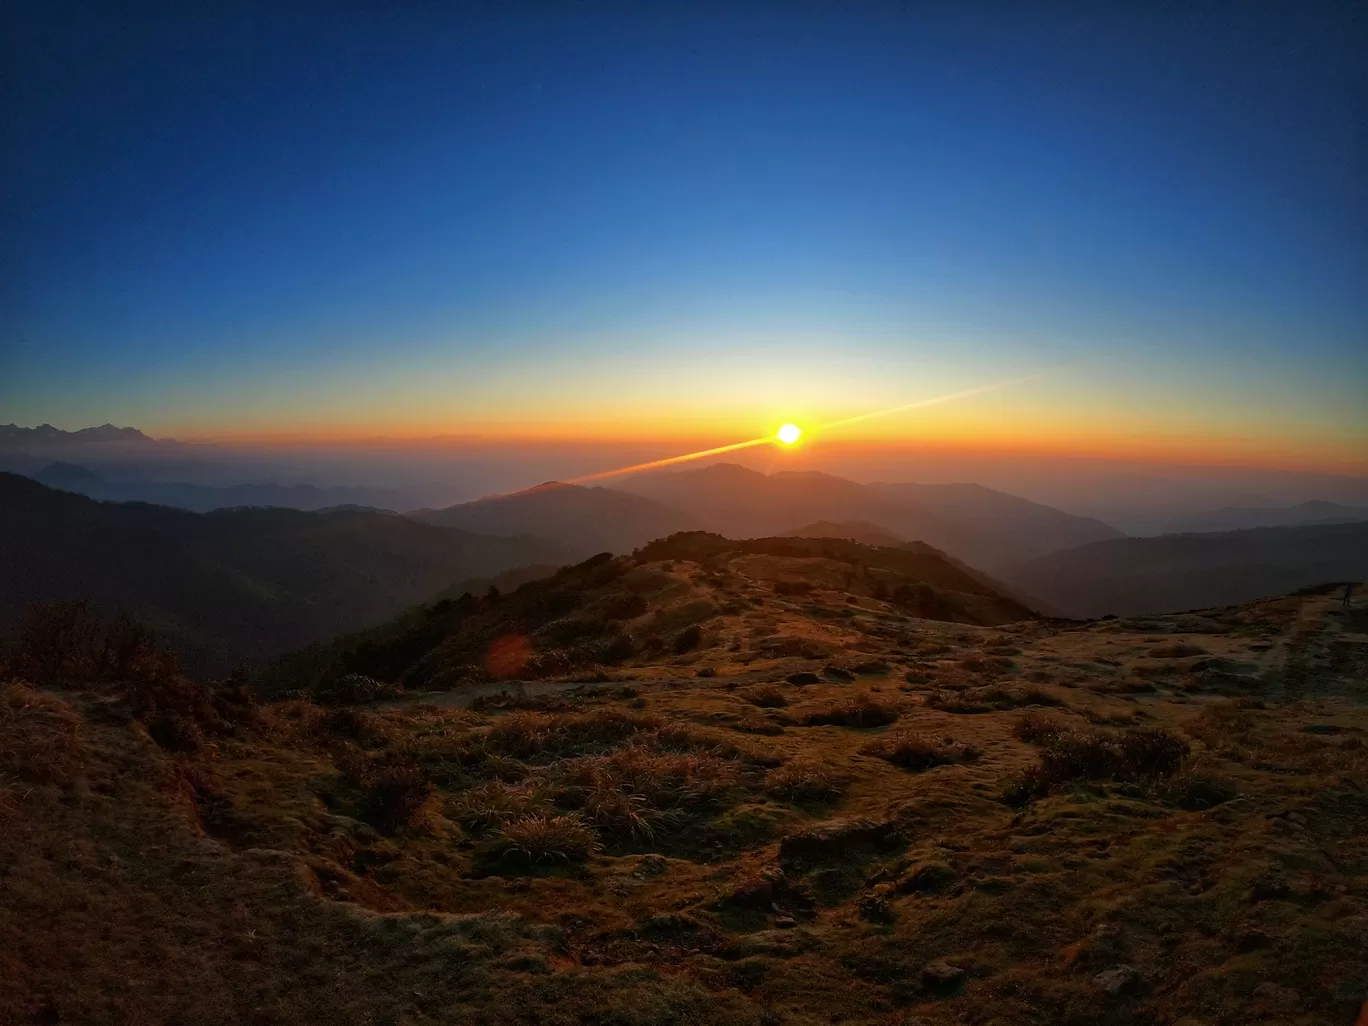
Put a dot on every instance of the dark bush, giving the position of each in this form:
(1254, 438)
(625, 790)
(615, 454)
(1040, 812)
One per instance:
(1132, 756)
(688, 639)
(393, 786)
(918, 752)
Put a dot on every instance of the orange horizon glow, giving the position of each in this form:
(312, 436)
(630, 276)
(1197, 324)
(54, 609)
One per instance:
(1173, 447)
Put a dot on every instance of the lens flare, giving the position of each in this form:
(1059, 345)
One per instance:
(790, 433)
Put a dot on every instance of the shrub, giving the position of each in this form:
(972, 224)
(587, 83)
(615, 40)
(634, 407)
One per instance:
(1196, 790)
(804, 780)
(859, 711)
(535, 839)
(919, 752)
(1139, 756)
(68, 643)
(688, 639)
(1035, 726)
(393, 786)
(495, 802)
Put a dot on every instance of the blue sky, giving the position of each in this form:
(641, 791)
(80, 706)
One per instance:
(296, 218)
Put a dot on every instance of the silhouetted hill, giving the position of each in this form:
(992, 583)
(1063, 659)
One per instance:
(986, 528)
(235, 584)
(1175, 572)
(74, 477)
(586, 520)
(672, 602)
(1007, 528)
(1235, 518)
(851, 530)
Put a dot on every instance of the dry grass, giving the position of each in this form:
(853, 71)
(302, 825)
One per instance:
(805, 780)
(861, 710)
(540, 839)
(40, 735)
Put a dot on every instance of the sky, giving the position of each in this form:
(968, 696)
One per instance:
(691, 223)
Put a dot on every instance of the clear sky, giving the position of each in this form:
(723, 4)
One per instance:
(692, 221)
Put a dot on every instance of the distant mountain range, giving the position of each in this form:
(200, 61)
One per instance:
(235, 584)
(73, 477)
(1174, 572)
(12, 436)
(850, 530)
(987, 529)
(1236, 518)
(585, 520)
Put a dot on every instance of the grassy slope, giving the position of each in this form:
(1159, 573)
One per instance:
(772, 868)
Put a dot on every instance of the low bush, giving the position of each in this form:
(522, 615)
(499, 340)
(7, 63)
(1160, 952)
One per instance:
(861, 710)
(393, 786)
(688, 639)
(1144, 756)
(494, 802)
(540, 839)
(67, 643)
(918, 751)
(1196, 790)
(804, 780)
(1033, 727)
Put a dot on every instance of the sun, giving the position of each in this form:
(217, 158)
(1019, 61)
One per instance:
(789, 433)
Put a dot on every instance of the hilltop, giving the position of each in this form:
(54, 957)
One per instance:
(692, 597)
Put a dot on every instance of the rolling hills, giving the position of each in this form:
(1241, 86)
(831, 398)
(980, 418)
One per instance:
(1128, 576)
(584, 520)
(234, 585)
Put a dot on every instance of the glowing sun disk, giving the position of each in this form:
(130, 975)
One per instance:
(789, 433)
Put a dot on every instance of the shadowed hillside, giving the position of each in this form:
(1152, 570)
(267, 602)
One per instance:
(584, 520)
(234, 585)
(1189, 571)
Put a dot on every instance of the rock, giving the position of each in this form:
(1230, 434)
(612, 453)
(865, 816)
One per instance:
(835, 838)
(941, 975)
(1116, 980)
(803, 677)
